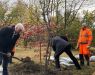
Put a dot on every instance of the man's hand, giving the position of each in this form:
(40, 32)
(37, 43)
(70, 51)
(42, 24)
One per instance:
(88, 47)
(9, 54)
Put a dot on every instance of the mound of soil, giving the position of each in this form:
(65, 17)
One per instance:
(28, 67)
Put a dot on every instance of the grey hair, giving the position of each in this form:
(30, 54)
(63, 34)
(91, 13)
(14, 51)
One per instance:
(20, 26)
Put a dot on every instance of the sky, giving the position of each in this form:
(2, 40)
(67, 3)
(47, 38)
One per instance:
(90, 2)
(90, 5)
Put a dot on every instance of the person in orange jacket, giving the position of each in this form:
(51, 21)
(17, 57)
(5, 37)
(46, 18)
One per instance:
(84, 41)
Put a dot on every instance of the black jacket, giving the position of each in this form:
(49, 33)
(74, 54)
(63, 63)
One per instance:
(59, 43)
(7, 39)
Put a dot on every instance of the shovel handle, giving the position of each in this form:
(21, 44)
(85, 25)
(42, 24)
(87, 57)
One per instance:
(17, 58)
(12, 56)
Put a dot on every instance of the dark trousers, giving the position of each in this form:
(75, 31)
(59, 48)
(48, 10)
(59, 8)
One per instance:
(68, 52)
(81, 56)
(5, 65)
(4, 60)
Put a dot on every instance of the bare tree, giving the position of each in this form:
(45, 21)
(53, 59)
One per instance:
(46, 6)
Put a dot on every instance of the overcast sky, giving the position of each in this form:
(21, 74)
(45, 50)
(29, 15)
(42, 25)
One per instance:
(90, 5)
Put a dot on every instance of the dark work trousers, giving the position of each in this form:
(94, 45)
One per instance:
(5, 65)
(4, 60)
(68, 52)
(82, 59)
(1, 59)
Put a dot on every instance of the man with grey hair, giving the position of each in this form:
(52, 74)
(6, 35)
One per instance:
(8, 38)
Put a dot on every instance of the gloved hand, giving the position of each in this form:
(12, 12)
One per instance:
(88, 47)
(9, 54)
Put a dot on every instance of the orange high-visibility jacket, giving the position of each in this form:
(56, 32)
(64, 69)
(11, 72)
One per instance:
(85, 38)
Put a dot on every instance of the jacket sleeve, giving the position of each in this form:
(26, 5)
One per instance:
(13, 41)
(6, 41)
(90, 37)
(5, 38)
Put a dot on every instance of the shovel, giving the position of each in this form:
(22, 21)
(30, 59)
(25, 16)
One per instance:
(12, 57)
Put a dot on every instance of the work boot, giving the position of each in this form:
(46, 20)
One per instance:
(87, 59)
(81, 59)
(81, 63)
